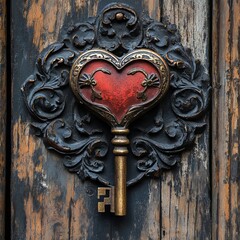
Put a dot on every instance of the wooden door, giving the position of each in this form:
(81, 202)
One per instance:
(197, 199)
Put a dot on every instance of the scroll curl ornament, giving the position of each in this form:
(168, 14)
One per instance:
(159, 138)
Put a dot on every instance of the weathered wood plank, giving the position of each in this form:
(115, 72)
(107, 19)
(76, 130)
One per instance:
(3, 94)
(185, 192)
(144, 200)
(151, 222)
(50, 203)
(47, 201)
(153, 7)
(225, 120)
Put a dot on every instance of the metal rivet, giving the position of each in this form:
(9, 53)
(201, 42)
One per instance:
(119, 16)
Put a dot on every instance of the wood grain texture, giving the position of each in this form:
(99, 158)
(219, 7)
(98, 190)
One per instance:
(47, 201)
(185, 193)
(225, 120)
(3, 94)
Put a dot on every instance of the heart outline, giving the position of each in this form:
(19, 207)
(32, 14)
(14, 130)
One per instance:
(119, 63)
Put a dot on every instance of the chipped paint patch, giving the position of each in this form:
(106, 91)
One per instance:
(79, 4)
(151, 226)
(24, 146)
(46, 18)
(153, 8)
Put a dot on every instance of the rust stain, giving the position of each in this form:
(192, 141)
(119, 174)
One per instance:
(46, 18)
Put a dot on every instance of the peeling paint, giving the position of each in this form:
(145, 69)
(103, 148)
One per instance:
(46, 19)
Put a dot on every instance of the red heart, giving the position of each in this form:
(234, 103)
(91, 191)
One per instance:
(118, 90)
(114, 87)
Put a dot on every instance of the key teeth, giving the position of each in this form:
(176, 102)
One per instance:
(108, 199)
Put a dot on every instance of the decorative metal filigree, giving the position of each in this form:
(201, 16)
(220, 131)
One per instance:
(159, 137)
(87, 80)
(135, 110)
(150, 80)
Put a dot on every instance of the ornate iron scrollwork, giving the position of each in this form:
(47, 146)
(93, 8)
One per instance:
(70, 130)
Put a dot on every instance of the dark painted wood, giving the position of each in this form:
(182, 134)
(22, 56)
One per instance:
(3, 104)
(47, 201)
(186, 191)
(225, 120)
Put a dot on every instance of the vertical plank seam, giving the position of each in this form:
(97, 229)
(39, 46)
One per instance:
(8, 126)
(215, 77)
(210, 143)
(3, 102)
(230, 44)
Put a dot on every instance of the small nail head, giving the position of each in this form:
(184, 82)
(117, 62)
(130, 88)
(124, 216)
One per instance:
(119, 16)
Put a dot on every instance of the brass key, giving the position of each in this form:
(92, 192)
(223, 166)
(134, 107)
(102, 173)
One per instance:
(120, 142)
(119, 90)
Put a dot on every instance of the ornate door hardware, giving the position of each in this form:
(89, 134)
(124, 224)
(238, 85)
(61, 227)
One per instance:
(119, 65)
(119, 89)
